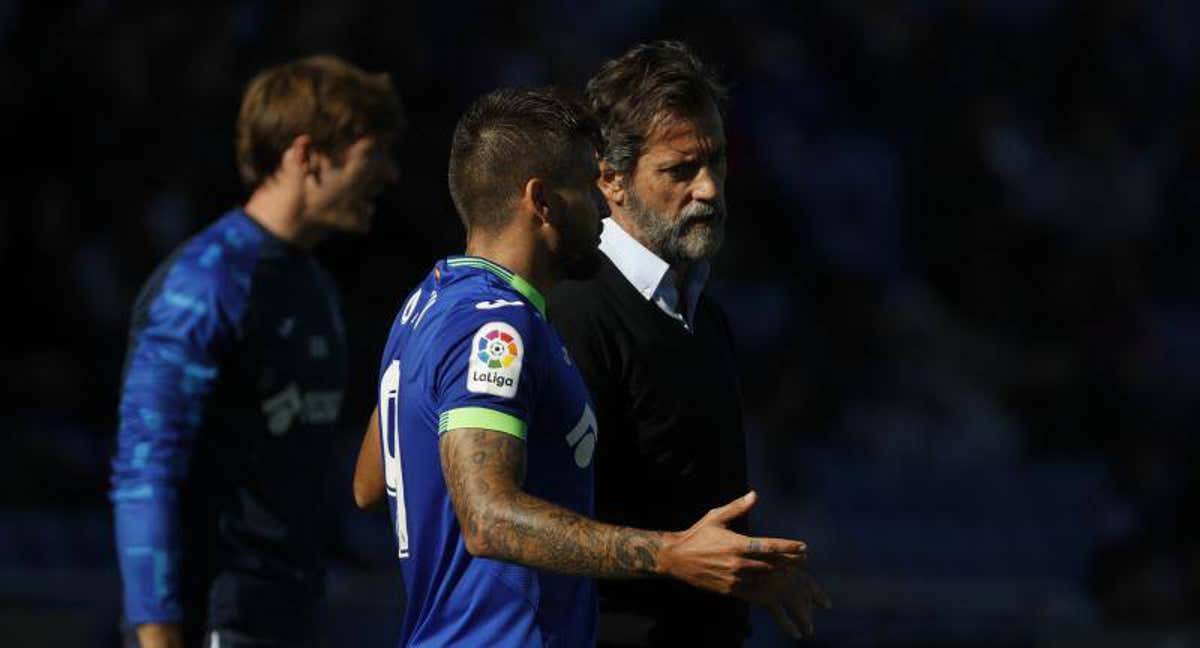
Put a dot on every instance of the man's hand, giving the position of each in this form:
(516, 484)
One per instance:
(791, 595)
(160, 635)
(711, 557)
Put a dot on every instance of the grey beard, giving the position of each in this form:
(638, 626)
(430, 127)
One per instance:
(676, 242)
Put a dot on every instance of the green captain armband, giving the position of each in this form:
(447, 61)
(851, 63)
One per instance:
(481, 417)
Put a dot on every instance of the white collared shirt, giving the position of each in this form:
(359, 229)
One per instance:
(650, 275)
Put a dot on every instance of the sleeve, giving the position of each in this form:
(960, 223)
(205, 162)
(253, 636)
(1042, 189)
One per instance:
(178, 336)
(489, 375)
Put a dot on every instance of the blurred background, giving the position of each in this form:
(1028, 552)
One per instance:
(961, 266)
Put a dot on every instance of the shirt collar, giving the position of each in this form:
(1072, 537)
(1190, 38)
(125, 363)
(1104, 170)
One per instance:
(518, 283)
(650, 274)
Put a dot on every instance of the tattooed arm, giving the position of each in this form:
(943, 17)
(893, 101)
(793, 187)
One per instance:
(484, 471)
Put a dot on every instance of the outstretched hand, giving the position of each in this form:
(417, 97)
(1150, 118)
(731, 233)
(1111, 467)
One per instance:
(711, 557)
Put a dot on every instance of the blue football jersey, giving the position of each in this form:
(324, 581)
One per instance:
(472, 348)
(229, 410)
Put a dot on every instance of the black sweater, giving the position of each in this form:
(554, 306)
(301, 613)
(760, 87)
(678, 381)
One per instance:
(670, 443)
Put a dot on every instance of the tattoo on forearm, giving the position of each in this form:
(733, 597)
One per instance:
(484, 471)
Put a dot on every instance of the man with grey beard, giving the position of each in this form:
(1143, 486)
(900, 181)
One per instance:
(656, 352)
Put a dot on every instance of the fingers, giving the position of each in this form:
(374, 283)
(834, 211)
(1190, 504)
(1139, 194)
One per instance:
(792, 606)
(737, 508)
(751, 565)
(822, 599)
(799, 607)
(781, 559)
(785, 622)
(776, 547)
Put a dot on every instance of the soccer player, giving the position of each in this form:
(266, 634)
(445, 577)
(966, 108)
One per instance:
(488, 436)
(235, 370)
(655, 351)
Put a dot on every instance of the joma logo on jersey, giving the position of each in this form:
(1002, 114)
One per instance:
(495, 361)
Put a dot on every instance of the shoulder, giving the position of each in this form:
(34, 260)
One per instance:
(208, 275)
(574, 301)
(494, 339)
(593, 292)
(221, 256)
(479, 312)
(575, 293)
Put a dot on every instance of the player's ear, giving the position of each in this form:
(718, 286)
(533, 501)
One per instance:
(537, 200)
(611, 183)
(301, 157)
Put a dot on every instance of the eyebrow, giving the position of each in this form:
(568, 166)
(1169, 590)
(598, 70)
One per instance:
(677, 156)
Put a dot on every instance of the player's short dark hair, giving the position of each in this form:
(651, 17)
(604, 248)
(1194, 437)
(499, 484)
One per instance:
(631, 93)
(507, 137)
(324, 97)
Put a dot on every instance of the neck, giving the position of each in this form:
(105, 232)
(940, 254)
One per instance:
(517, 252)
(280, 211)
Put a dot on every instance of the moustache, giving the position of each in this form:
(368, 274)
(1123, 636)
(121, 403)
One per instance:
(700, 212)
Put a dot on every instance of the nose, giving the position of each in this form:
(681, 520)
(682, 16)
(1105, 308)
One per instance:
(706, 187)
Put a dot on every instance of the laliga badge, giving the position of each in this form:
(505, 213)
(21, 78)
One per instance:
(496, 355)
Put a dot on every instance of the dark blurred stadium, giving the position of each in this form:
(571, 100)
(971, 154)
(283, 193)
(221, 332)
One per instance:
(962, 268)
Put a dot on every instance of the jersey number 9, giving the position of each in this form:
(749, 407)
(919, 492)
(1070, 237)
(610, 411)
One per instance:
(389, 431)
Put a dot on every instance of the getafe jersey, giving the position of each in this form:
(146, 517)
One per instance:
(231, 394)
(472, 348)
